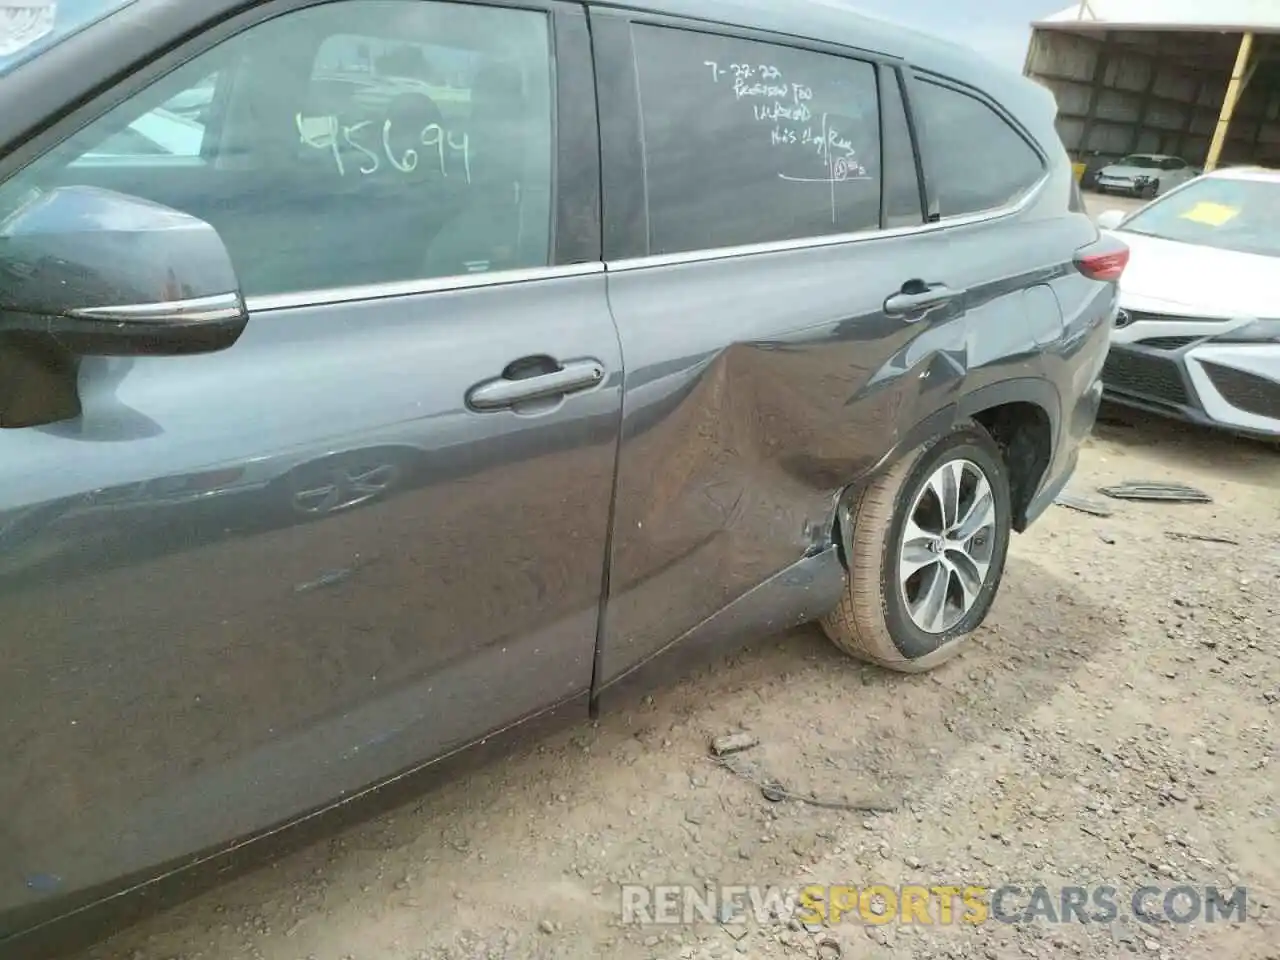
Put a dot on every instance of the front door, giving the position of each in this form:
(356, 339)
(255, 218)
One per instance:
(241, 585)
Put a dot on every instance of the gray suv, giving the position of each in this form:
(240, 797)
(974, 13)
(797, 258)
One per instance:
(452, 365)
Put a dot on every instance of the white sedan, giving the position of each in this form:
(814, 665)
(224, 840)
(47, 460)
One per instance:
(1197, 336)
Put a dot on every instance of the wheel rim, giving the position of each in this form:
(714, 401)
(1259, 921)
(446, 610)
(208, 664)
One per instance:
(344, 487)
(947, 545)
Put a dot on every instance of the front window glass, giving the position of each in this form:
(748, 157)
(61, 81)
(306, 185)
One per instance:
(1220, 212)
(171, 130)
(344, 144)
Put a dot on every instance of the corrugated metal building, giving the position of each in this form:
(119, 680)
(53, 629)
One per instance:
(1193, 78)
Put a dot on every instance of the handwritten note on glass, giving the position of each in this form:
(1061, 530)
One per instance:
(785, 108)
(752, 142)
(446, 150)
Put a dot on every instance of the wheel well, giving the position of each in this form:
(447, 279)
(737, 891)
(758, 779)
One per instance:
(1024, 435)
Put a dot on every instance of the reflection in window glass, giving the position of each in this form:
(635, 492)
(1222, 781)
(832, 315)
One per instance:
(358, 142)
(749, 142)
(975, 160)
(174, 129)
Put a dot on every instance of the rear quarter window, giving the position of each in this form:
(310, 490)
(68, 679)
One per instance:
(974, 159)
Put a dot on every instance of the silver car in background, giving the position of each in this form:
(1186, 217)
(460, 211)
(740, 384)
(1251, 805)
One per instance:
(1145, 175)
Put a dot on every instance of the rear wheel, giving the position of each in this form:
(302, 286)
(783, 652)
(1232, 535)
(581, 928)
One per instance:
(926, 546)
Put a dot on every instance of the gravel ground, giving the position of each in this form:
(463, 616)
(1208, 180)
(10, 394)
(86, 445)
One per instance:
(1114, 722)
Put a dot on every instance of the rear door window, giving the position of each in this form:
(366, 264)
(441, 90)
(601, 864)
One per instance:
(748, 142)
(974, 159)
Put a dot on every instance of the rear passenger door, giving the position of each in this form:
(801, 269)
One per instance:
(241, 585)
(776, 300)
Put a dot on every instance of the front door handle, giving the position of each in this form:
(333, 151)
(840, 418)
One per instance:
(520, 384)
(916, 297)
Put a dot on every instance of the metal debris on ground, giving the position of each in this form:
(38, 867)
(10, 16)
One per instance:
(1083, 504)
(1201, 537)
(732, 743)
(828, 948)
(327, 579)
(1156, 490)
(775, 792)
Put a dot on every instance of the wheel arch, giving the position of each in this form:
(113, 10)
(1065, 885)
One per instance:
(1022, 415)
(1023, 418)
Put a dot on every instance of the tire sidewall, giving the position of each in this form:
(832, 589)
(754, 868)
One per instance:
(912, 642)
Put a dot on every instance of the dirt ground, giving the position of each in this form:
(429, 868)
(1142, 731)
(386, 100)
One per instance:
(1114, 722)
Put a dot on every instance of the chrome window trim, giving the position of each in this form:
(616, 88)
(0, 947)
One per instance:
(835, 239)
(264, 303)
(195, 310)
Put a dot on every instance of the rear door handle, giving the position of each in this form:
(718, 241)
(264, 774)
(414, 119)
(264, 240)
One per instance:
(916, 297)
(508, 390)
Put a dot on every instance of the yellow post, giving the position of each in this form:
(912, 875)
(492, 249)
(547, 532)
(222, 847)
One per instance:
(1234, 89)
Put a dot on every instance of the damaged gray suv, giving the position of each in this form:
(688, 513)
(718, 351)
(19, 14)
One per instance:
(381, 376)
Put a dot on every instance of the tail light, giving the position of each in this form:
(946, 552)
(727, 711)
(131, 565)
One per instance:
(1105, 259)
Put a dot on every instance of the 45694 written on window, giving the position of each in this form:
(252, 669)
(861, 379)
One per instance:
(354, 143)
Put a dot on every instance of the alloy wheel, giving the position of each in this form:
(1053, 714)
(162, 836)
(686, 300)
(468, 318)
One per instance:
(947, 546)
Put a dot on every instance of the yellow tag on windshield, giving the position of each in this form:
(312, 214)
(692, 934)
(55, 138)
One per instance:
(1213, 214)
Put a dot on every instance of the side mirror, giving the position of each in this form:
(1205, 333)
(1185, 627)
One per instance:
(101, 273)
(1110, 219)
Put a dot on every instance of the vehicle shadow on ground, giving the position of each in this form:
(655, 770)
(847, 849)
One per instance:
(1185, 448)
(634, 796)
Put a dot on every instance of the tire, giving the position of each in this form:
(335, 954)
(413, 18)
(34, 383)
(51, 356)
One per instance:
(874, 621)
(1152, 190)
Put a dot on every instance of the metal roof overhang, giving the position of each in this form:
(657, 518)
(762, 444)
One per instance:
(1117, 26)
